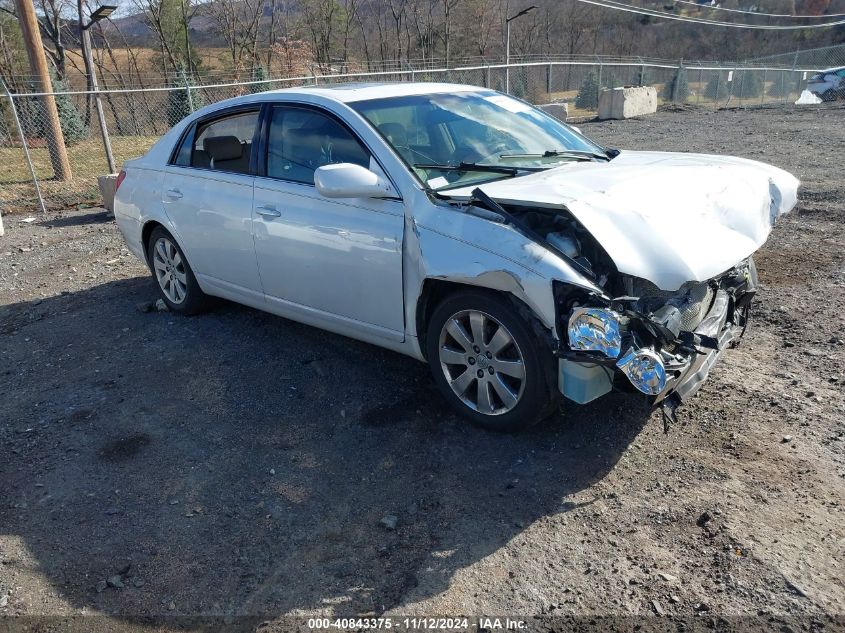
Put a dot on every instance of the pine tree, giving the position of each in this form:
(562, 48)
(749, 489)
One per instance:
(747, 84)
(73, 127)
(259, 73)
(676, 89)
(179, 104)
(588, 93)
(716, 87)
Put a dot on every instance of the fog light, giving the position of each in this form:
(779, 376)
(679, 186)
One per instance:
(644, 368)
(595, 330)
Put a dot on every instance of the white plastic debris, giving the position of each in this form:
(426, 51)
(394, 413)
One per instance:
(28, 220)
(808, 98)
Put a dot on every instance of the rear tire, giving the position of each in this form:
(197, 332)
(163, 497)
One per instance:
(487, 361)
(172, 274)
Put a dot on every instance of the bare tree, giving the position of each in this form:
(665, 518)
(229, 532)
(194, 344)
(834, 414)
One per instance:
(237, 22)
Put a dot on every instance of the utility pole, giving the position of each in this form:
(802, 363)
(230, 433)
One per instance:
(38, 64)
(508, 46)
(102, 12)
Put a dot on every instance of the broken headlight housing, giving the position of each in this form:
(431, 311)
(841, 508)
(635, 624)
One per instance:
(645, 369)
(595, 330)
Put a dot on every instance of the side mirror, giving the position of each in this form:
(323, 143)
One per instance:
(347, 180)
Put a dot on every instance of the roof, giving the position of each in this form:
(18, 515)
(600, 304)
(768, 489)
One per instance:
(350, 92)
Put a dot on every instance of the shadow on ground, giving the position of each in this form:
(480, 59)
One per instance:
(238, 463)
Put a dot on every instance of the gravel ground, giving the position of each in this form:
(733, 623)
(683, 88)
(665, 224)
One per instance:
(240, 465)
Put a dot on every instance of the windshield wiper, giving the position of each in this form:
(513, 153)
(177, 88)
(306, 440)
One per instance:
(554, 153)
(493, 169)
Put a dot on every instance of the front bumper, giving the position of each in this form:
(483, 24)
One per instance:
(584, 376)
(688, 376)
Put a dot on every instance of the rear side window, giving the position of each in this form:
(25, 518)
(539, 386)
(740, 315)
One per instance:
(222, 144)
(301, 140)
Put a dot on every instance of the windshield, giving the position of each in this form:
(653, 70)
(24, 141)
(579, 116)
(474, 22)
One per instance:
(464, 138)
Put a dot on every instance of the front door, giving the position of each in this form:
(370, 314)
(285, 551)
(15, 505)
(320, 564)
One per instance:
(333, 258)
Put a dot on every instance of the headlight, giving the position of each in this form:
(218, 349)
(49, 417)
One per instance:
(644, 368)
(595, 330)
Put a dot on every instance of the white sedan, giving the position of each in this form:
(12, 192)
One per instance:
(464, 228)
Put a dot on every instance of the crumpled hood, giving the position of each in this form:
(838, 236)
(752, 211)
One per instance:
(666, 217)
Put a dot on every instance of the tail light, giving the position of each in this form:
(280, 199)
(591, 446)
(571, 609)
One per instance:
(119, 180)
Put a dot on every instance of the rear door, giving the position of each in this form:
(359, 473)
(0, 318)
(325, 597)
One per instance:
(207, 195)
(336, 259)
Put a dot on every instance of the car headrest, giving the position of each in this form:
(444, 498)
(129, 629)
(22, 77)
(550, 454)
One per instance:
(395, 133)
(223, 147)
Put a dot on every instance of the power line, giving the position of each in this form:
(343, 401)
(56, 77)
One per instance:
(765, 15)
(618, 6)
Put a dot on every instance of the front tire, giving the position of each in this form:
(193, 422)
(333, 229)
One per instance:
(173, 275)
(487, 361)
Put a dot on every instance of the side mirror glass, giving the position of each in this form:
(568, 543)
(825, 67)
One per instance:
(347, 180)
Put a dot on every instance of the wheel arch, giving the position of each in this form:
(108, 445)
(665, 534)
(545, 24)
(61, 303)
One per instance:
(435, 290)
(146, 232)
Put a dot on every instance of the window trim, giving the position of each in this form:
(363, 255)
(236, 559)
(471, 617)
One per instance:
(189, 133)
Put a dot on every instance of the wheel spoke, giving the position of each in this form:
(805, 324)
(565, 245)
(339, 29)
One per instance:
(158, 264)
(485, 403)
(170, 250)
(513, 368)
(180, 275)
(508, 397)
(161, 251)
(457, 332)
(501, 339)
(462, 382)
(177, 259)
(179, 291)
(476, 323)
(452, 356)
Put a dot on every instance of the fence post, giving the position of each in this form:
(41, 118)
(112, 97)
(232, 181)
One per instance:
(763, 96)
(549, 79)
(487, 76)
(598, 85)
(24, 145)
(700, 81)
(676, 81)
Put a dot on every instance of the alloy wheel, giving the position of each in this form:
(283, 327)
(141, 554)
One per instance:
(481, 362)
(170, 270)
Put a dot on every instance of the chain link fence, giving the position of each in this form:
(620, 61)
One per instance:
(136, 117)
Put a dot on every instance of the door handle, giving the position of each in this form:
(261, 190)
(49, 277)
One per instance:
(175, 194)
(268, 211)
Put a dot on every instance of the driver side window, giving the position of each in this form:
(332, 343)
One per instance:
(303, 139)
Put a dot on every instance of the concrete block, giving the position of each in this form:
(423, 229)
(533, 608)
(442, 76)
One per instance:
(106, 184)
(624, 103)
(558, 110)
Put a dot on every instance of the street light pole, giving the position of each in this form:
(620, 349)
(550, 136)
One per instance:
(102, 12)
(508, 45)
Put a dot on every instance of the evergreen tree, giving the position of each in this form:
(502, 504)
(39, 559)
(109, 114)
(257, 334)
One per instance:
(179, 104)
(259, 73)
(716, 87)
(747, 84)
(676, 89)
(73, 127)
(588, 94)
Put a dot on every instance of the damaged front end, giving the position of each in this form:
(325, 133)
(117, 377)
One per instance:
(661, 344)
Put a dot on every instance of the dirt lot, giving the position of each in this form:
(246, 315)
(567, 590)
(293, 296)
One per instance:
(237, 464)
